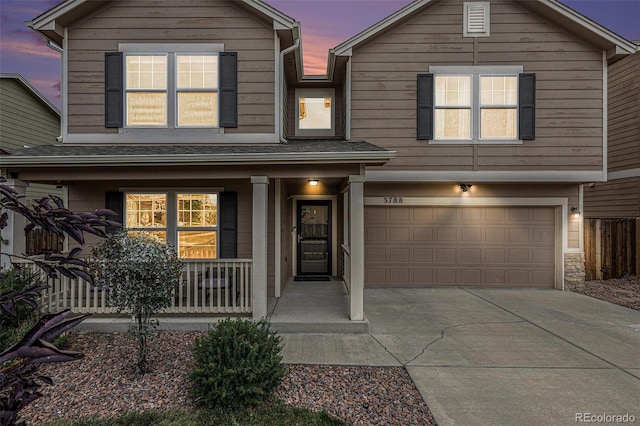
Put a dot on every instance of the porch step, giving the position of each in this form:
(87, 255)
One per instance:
(120, 323)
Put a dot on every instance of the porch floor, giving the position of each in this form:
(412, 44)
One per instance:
(313, 307)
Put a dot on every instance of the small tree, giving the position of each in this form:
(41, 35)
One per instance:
(140, 274)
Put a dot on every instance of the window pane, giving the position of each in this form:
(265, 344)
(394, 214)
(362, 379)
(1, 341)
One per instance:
(198, 109)
(146, 210)
(453, 90)
(315, 113)
(498, 123)
(197, 210)
(197, 244)
(146, 72)
(146, 109)
(499, 90)
(453, 124)
(197, 72)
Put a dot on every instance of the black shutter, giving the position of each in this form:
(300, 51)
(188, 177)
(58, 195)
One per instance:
(113, 88)
(115, 201)
(425, 107)
(228, 222)
(228, 89)
(527, 106)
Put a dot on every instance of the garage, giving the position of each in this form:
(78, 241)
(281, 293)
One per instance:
(460, 246)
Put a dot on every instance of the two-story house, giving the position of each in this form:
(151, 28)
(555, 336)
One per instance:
(446, 144)
(27, 118)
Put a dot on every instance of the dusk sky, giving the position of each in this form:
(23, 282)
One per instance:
(325, 24)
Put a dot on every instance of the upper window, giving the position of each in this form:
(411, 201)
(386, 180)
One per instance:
(476, 104)
(315, 112)
(171, 86)
(150, 88)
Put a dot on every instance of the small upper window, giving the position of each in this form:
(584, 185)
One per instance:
(315, 112)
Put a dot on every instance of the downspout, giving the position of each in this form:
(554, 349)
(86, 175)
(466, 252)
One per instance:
(283, 53)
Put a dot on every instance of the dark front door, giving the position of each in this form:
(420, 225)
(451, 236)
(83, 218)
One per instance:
(314, 237)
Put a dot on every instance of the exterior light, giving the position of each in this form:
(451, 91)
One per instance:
(313, 182)
(575, 210)
(465, 186)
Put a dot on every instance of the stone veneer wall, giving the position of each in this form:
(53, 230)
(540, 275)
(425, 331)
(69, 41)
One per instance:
(574, 270)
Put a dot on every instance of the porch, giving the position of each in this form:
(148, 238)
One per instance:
(314, 307)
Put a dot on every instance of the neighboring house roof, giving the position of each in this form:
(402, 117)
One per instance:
(29, 87)
(296, 151)
(614, 44)
(51, 23)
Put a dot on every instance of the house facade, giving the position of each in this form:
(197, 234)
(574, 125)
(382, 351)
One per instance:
(446, 145)
(27, 118)
(619, 197)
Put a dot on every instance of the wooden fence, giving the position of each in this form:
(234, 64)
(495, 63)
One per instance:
(611, 247)
(38, 240)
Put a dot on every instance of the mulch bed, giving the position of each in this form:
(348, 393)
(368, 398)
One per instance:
(104, 384)
(621, 291)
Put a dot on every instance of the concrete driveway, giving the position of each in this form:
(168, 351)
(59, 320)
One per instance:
(497, 357)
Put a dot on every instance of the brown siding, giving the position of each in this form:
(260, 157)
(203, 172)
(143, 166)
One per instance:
(616, 198)
(624, 114)
(569, 95)
(146, 21)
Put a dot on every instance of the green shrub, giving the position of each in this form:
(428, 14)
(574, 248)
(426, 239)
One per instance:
(238, 363)
(14, 327)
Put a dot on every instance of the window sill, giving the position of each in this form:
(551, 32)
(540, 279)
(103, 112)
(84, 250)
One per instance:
(476, 142)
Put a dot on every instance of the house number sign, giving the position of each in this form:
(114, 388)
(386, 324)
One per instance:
(393, 200)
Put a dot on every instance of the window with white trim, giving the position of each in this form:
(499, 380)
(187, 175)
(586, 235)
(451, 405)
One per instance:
(482, 104)
(151, 87)
(171, 86)
(188, 221)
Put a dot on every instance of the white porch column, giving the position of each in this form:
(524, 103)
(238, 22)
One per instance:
(259, 239)
(13, 239)
(356, 243)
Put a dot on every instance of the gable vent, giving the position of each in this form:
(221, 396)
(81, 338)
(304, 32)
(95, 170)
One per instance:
(476, 19)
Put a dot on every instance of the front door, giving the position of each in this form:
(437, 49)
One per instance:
(314, 237)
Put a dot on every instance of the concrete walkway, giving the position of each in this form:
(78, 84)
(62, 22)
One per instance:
(496, 357)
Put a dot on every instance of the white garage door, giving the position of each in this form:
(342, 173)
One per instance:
(460, 246)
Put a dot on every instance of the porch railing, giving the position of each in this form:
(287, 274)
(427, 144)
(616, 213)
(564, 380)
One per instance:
(207, 286)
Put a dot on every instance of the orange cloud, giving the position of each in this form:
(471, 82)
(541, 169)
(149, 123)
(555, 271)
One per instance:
(315, 51)
(28, 48)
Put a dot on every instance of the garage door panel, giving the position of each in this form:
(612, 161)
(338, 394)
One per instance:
(400, 255)
(512, 246)
(376, 234)
(423, 213)
(472, 235)
(422, 255)
(400, 234)
(471, 255)
(421, 233)
(446, 234)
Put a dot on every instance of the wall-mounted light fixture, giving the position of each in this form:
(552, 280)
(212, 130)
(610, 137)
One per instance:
(313, 182)
(575, 210)
(465, 186)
